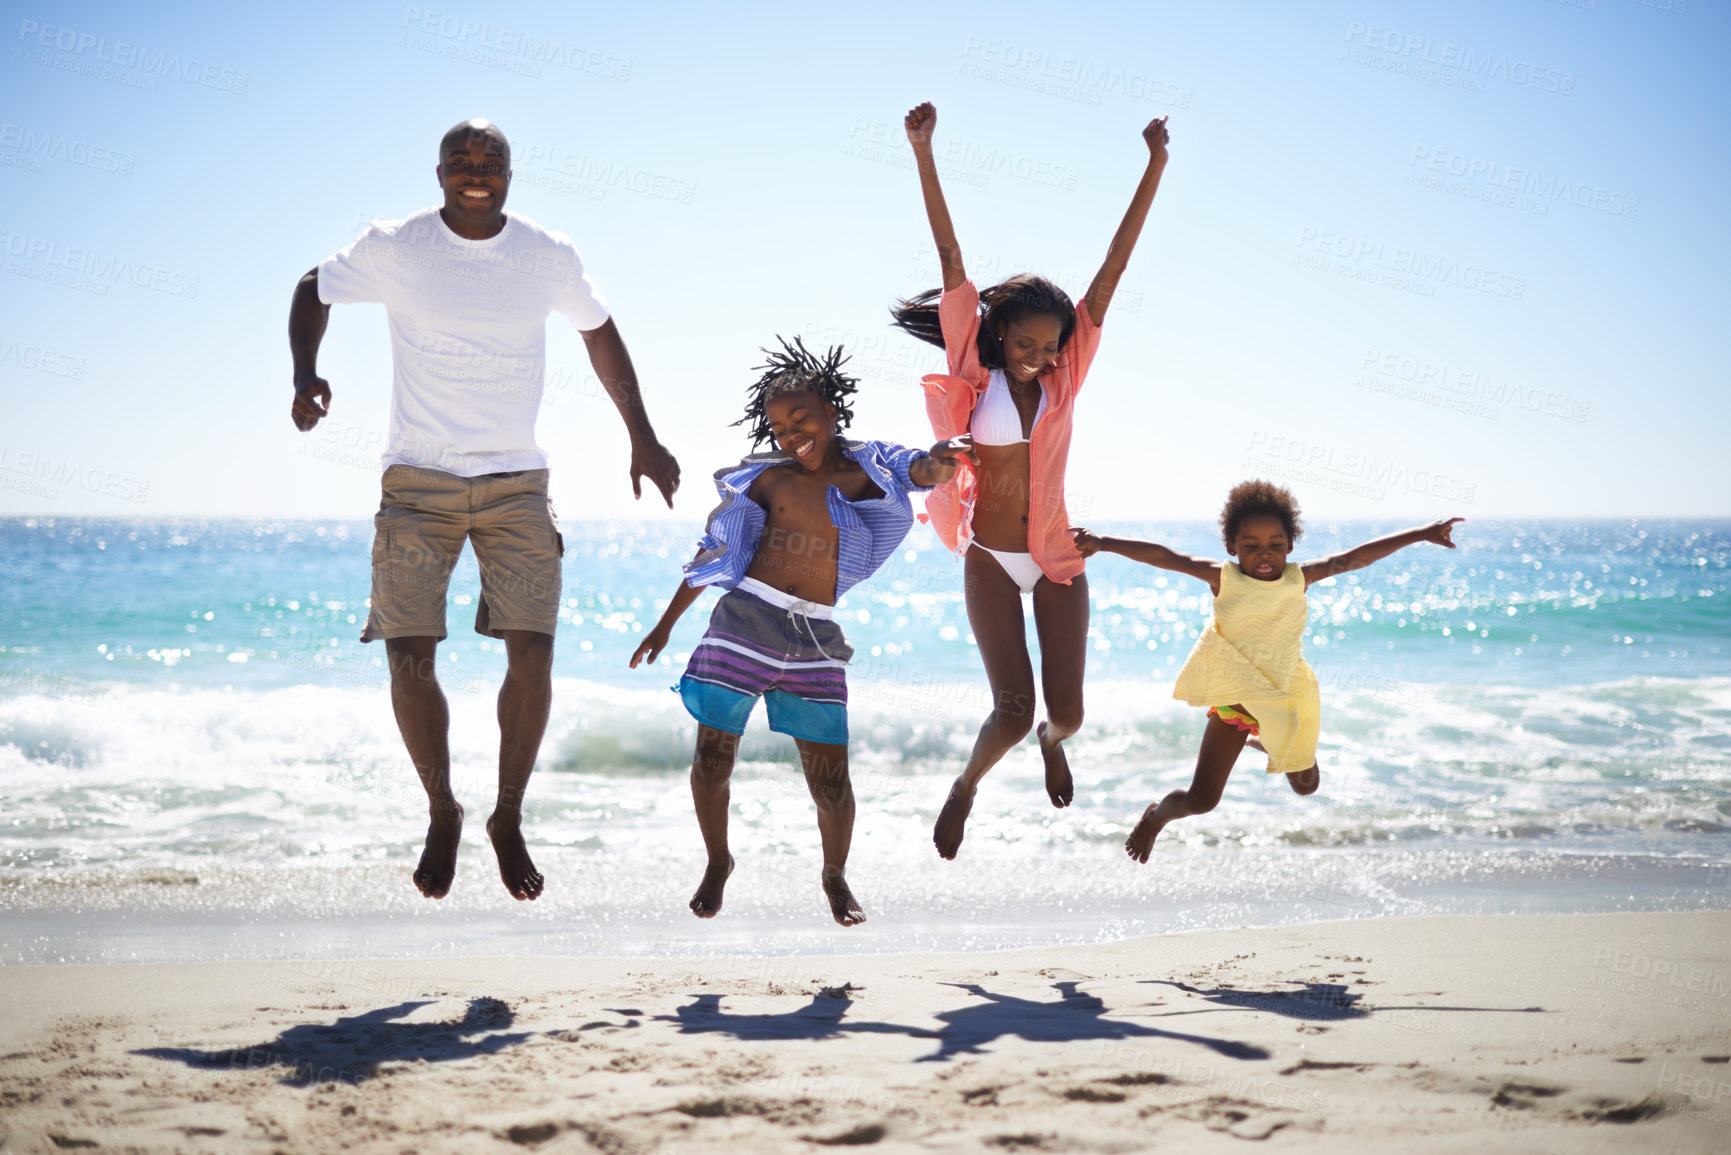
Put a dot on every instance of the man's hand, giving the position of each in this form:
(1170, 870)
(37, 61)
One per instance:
(312, 401)
(1088, 543)
(1438, 531)
(940, 462)
(650, 459)
(652, 645)
(1157, 138)
(919, 122)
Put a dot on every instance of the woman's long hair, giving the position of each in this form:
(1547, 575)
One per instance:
(1009, 301)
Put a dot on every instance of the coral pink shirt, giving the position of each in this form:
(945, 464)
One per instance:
(950, 401)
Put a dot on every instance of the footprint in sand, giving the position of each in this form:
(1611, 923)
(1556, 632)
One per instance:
(531, 1134)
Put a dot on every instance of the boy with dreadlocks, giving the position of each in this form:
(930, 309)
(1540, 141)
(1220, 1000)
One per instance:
(797, 527)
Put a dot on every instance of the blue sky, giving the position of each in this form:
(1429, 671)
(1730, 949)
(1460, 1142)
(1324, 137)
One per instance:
(1411, 258)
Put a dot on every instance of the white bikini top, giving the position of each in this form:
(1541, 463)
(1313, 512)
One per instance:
(995, 420)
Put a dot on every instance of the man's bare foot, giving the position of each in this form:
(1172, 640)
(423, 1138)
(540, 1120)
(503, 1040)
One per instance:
(706, 903)
(842, 903)
(952, 820)
(1140, 844)
(1060, 788)
(516, 870)
(438, 864)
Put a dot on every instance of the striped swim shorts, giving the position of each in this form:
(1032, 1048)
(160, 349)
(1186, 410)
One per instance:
(761, 643)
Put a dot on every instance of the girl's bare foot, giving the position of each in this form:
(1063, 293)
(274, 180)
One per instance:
(1140, 844)
(1305, 781)
(953, 820)
(1060, 788)
(842, 903)
(438, 864)
(516, 870)
(706, 903)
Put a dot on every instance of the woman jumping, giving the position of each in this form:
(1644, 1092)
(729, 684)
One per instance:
(1017, 354)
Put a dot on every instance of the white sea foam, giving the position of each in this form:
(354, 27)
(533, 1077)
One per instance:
(166, 778)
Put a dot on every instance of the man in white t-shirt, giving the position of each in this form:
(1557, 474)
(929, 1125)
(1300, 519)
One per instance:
(467, 291)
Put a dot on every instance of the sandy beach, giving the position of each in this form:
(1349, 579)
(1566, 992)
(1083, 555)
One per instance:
(1499, 1033)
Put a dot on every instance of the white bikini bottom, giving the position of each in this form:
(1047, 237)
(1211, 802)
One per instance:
(1021, 567)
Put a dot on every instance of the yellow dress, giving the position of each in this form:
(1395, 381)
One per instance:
(1251, 653)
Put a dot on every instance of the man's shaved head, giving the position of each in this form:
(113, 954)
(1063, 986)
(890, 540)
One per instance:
(460, 134)
(475, 175)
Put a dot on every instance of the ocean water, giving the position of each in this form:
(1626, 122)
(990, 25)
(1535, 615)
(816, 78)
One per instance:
(198, 758)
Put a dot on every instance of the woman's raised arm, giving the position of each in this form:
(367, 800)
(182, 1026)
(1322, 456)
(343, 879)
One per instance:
(920, 121)
(1124, 240)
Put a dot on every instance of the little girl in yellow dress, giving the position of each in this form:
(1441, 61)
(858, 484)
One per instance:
(1248, 666)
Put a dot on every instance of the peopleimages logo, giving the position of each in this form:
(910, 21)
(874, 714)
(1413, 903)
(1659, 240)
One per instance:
(1524, 179)
(1069, 77)
(1422, 56)
(59, 146)
(1371, 258)
(40, 359)
(122, 54)
(44, 468)
(1354, 473)
(97, 267)
(463, 33)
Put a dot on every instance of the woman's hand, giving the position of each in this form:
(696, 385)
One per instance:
(919, 122)
(1156, 136)
(1087, 543)
(653, 644)
(941, 461)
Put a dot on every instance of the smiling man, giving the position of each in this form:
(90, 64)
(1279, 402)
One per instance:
(467, 290)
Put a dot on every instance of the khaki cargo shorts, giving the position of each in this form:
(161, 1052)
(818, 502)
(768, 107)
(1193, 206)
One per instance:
(425, 516)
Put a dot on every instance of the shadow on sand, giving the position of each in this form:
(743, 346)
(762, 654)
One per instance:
(350, 1049)
(1074, 1017)
(1317, 1002)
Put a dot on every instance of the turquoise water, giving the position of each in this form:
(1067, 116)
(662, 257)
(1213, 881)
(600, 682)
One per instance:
(190, 732)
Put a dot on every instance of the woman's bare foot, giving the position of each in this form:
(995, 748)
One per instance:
(842, 903)
(952, 820)
(1060, 788)
(706, 903)
(516, 870)
(438, 864)
(1140, 844)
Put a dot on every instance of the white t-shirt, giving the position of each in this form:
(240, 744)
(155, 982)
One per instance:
(468, 333)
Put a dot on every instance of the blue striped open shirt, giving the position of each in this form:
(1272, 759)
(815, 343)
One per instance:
(867, 531)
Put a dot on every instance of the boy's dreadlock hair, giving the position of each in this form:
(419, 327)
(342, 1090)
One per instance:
(797, 370)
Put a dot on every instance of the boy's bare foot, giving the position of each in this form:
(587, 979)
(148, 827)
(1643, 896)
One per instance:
(842, 903)
(952, 821)
(438, 864)
(1140, 844)
(516, 870)
(706, 903)
(1060, 788)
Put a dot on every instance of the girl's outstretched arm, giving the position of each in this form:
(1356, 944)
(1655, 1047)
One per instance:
(920, 121)
(1150, 553)
(1360, 556)
(656, 639)
(1124, 240)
